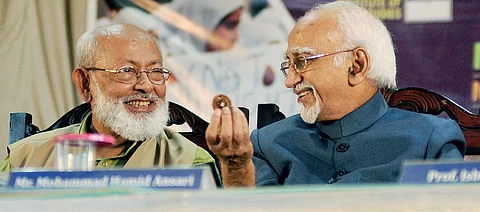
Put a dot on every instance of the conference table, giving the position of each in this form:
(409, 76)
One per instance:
(407, 197)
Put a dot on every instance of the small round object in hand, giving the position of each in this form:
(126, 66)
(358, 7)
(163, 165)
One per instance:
(220, 101)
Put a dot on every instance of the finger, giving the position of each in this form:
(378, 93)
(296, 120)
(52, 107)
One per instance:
(240, 127)
(226, 128)
(213, 129)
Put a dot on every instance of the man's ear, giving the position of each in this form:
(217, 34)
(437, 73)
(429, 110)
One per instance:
(357, 72)
(82, 83)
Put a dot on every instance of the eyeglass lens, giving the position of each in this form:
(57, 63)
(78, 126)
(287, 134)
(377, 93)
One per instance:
(130, 75)
(298, 64)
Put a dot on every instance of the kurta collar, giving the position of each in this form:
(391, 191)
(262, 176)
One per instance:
(86, 123)
(357, 120)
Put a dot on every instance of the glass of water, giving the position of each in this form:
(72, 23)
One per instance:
(78, 152)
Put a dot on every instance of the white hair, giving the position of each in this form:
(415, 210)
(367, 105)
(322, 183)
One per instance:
(361, 29)
(88, 45)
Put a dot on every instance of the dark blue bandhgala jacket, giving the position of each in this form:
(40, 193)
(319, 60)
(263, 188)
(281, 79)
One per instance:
(368, 145)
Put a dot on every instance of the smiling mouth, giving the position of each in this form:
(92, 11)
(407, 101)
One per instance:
(303, 93)
(138, 103)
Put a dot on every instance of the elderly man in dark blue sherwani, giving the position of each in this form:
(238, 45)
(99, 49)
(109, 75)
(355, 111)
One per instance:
(338, 57)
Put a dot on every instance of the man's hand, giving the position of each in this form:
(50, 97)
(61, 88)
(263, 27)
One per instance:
(228, 138)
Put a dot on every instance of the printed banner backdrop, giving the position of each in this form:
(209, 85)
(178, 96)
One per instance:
(437, 47)
(248, 73)
(247, 76)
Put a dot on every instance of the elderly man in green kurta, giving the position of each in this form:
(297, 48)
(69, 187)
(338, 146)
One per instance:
(121, 75)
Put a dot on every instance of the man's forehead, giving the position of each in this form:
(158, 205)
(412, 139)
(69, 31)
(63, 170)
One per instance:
(135, 43)
(143, 37)
(302, 40)
(314, 35)
(137, 50)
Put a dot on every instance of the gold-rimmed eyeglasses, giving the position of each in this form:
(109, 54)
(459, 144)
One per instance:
(129, 75)
(300, 64)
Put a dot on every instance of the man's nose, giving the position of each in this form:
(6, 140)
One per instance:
(293, 78)
(143, 83)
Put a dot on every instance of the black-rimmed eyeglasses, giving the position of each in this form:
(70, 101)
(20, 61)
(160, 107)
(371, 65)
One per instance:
(129, 75)
(300, 64)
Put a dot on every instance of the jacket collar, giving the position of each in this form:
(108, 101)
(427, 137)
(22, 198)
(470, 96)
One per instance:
(356, 121)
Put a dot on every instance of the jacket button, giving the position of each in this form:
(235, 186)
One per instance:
(341, 172)
(343, 147)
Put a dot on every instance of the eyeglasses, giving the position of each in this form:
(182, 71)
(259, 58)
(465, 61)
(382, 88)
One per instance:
(300, 64)
(129, 75)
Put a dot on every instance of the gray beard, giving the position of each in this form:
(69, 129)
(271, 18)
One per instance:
(138, 126)
(310, 115)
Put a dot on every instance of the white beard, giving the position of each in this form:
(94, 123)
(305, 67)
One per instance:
(309, 114)
(137, 126)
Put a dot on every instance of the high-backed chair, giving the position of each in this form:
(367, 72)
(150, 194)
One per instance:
(21, 123)
(418, 100)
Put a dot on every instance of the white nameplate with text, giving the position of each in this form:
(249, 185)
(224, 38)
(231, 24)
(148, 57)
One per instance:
(441, 172)
(168, 178)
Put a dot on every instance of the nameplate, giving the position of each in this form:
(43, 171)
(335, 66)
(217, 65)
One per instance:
(175, 178)
(441, 172)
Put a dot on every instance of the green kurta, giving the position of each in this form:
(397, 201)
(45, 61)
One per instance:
(169, 148)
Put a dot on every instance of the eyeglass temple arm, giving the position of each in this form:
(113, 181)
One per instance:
(324, 55)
